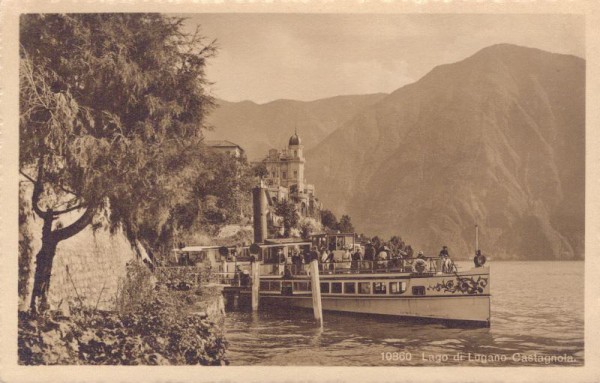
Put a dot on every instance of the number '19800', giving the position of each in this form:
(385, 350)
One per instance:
(396, 356)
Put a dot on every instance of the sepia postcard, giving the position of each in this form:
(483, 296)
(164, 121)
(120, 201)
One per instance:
(299, 191)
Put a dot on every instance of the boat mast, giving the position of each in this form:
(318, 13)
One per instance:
(476, 238)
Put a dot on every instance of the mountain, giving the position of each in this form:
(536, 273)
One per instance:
(497, 140)
(260, 127)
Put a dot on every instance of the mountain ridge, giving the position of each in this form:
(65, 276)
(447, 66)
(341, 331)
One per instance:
(487, 89)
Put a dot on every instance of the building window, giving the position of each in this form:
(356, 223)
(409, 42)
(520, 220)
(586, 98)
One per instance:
(295, 153)
(364, 287)
(336, 287)
(397, 287)
(350, 288)
(295, 174)
(284, 175)
(379, 288)
(324, 287)
(418, 290)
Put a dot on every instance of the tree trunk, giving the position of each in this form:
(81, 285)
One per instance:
(43, 267)
(45, 257)
(43, 272)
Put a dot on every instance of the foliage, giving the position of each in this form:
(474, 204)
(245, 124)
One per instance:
(259, 170)
(287, 210)
(329, 220)
(112, 106)
(155, 336)
(345, 225)
(309, 226)
(158, 326)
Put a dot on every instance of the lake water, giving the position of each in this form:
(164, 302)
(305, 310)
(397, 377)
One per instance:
(537, 319)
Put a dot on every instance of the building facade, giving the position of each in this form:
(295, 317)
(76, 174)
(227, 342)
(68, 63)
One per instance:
(285, 178)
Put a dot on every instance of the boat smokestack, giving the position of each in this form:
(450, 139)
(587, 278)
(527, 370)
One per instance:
(259, 207)
(476, 238)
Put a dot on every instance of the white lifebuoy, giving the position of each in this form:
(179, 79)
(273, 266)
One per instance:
(419, 266)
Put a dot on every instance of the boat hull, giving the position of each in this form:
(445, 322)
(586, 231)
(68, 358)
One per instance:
(473, 310)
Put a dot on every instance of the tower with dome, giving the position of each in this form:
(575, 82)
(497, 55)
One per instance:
(285, 178)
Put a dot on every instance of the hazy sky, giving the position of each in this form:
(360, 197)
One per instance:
(263, 57)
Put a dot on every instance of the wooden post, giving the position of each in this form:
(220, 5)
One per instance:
(255, 285)
(316, 291)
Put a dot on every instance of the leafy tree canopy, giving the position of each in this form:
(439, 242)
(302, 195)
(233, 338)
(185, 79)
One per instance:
(289, 213)
(111, 108)
(111, 104)
(345, 225)
(329, 220)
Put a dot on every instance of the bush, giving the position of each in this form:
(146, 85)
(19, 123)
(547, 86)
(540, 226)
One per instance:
(151, 327)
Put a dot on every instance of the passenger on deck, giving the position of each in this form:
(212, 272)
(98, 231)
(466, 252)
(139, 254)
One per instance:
(445, 260)
(356, 258)
(324, 255)
(369, 256)
(421, 255)
(347, 257)
(297, 262)
(331, 260)
(383, 257)
(444, 252)
(409, 251)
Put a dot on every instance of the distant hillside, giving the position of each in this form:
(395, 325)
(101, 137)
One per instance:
(497, 139)
(259, 127)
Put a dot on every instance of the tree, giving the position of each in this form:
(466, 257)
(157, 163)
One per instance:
(111, 106)
(287, 210)
(259, 170)
(308, 226)
(329, 220)
(345, 225)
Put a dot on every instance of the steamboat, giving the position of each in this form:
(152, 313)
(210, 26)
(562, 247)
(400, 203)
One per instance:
(280, 272)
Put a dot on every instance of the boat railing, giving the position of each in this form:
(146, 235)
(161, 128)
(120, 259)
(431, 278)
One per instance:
(399, 265)
(426, 265)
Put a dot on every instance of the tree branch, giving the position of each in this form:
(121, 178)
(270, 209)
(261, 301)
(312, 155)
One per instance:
(74, 228)
(68, 210)
(38, 188)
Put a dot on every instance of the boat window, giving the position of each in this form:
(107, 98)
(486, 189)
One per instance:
(286, 288)
(264, 285)
(324, 287)
(350, 288)
(302, 286)
(418, 290)
(275, 286)
(379, 288)
(336, 287)
(364, 287)
(397, 287)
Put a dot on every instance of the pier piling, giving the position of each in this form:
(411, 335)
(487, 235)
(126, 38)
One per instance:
(316, 291)
(255, 285)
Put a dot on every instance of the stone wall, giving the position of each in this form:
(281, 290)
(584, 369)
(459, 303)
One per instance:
(96, 265)
(95, 262)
